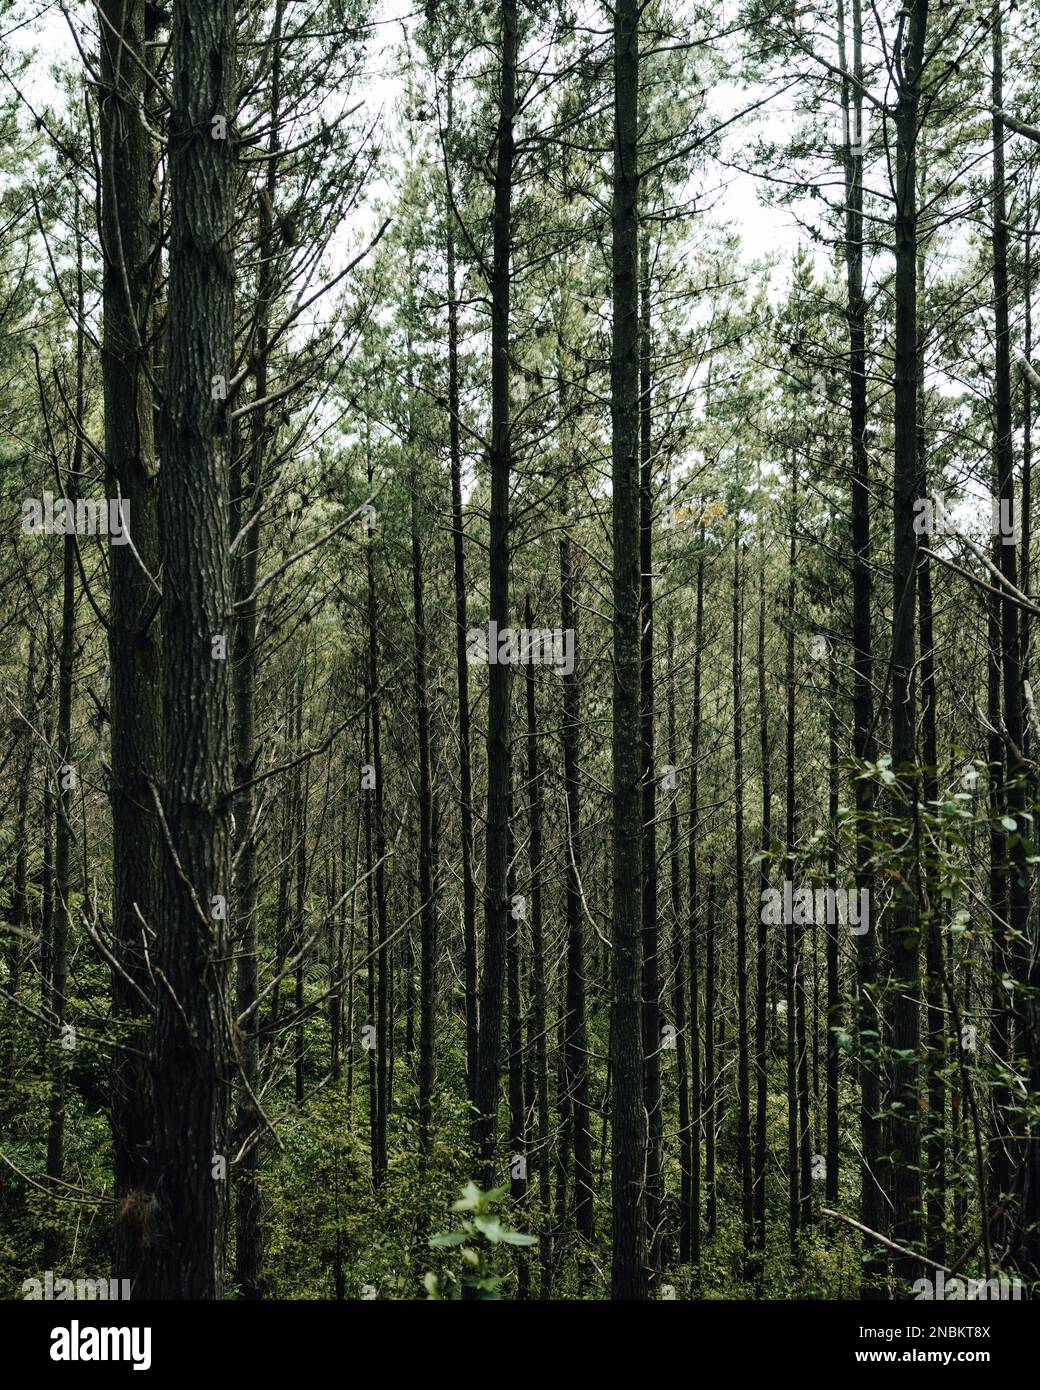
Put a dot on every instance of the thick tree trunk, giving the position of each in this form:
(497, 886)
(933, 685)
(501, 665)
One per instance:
(133, 626)
(628, 1171)
(192, 1059)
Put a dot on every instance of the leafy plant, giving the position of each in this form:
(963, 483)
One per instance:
(477, 1240)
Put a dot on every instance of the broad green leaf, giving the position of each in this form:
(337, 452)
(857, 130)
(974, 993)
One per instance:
(471, 1200)
(447, 1238)
(489, 1226)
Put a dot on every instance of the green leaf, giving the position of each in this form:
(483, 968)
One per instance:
(1009, 823)
(518, 1238)
(447, 1238)
(489, 1226)
(471, 1200)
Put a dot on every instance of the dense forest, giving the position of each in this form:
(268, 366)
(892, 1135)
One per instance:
(518, 754)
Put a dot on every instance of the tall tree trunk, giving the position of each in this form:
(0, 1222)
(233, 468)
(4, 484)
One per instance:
(245, 509)
(371, 1029)
(496, 889)
(835, 1005)
(628, 1167)
(1029, 1251)
(18, 912)
(1018, 794)
(679, 961)
(693, 1218)
(65, 774)
(743, 1086)
(792, 936)
(902, 1006)
(709, 1102)
(651, 971)
(133, 629)
(935, 1013)
(762, 941)
(192, 1057)
(575, 1039)
(301, 799)
(380, 1002)
(427, 897)
(536, 1031)
(469, 892)
(515, 1063)
(863, 743)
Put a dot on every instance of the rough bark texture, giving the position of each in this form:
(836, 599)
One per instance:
(575, 1063)
(740, 925)
(496, 890)
(761, 939)
(193, 1064)
(427, 903)
(133, 624)
(628, 1135)
(651, 930)
(902, 1008)
(469, 891)
(863, 744)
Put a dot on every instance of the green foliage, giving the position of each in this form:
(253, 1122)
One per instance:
(477, 1240)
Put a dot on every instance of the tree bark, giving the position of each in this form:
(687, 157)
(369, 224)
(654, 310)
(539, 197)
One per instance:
(628, 1137)
(469, 892)
(131, 473)
(193, 1045)
(651, 971)
(496, 889)
(902, 1003)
